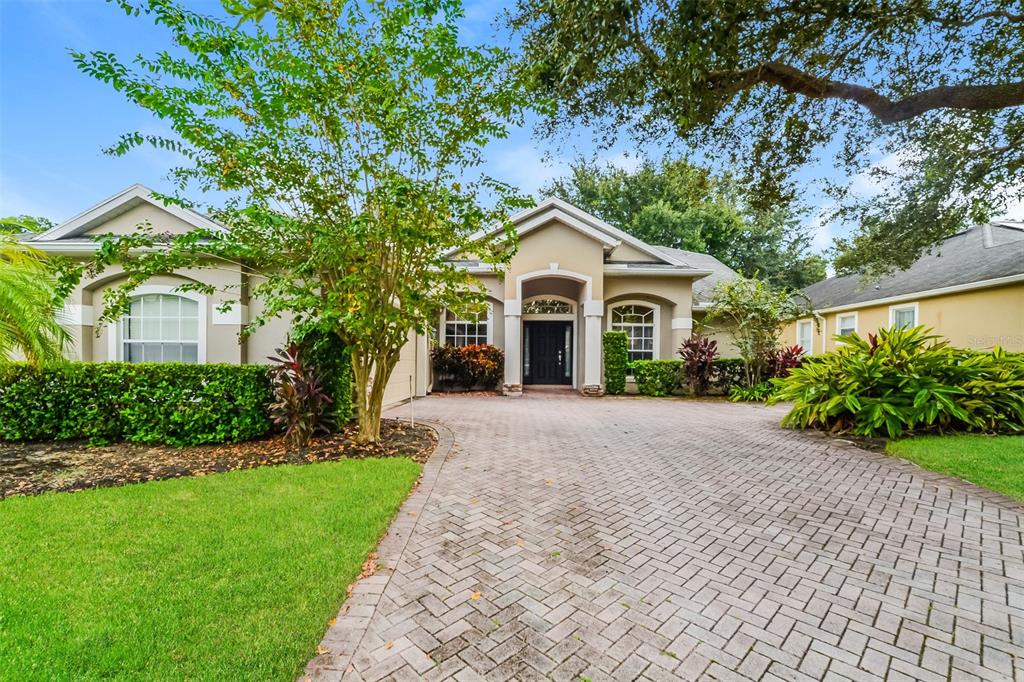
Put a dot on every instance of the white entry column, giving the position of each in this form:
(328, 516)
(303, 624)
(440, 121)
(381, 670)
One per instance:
(513, 348)
(593, 312)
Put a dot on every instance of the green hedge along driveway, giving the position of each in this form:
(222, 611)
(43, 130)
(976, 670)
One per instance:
(232, 576)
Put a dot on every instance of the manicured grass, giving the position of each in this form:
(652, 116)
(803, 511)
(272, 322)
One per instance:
(994, 462)
(232, 576)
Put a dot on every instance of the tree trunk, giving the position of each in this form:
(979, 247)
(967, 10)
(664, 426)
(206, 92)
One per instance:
(371, 372)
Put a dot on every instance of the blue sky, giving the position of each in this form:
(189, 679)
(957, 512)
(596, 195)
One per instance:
(55, 121)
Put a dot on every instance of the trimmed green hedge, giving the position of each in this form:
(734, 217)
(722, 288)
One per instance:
(156, 403)
(616, 362)
(658, 377)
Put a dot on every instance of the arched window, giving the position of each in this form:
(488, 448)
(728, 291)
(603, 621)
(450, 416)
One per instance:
(161, 328)
(547, 306)
(467, 328)
(640, 322)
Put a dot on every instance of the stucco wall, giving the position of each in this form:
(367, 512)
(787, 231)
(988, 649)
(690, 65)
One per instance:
(977, 319)
(127, 222)
(557, 243)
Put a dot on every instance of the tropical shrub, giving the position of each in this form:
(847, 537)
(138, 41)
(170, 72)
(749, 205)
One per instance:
(699, 354)
(172, 403)
(757, 393)
(616, 362)
(473, 366)
(327, 352)
(301, 405)
(657, 377)
(905, 380)
(785, 359)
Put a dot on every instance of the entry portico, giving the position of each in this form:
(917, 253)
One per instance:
(572, 278)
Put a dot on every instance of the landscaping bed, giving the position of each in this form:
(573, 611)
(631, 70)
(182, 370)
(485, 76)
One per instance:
(32, 468)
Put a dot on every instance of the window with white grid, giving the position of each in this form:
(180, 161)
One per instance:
(638, 321)
(468, 328)
(161, 328)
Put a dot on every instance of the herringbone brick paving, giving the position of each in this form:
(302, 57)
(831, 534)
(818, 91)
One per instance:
(568, 538)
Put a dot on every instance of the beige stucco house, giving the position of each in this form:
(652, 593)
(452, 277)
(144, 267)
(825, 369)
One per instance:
(969, 290)
(573, 277)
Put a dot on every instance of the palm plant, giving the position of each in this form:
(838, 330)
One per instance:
(28, 306)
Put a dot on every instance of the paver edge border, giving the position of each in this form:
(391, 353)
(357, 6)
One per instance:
(342, 638)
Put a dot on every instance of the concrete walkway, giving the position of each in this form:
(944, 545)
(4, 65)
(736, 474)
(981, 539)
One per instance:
(581, 539)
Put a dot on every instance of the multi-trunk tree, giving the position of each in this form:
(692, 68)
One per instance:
(346, 134)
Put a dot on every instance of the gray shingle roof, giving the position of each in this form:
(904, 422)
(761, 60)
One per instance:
(981, 253)
(702, 261)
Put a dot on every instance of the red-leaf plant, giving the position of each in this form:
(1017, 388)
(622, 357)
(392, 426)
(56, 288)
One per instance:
(300, 403)
(699, 354)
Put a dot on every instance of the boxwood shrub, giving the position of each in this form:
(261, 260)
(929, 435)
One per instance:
(728, 373)
(616, 362)
(658, 377)
(155, 403)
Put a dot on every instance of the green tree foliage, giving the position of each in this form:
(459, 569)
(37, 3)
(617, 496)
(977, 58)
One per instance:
(754, 313)
(346, 132)
(773, 85)
(675, 203)
(25, 223)
(29, 306)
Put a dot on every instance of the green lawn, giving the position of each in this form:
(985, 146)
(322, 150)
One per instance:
(994, 462)
(232, 576)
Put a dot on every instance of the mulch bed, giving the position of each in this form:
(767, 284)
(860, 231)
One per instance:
(33, 468)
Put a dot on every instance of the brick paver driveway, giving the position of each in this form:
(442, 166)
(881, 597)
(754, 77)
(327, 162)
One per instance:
(573, 538)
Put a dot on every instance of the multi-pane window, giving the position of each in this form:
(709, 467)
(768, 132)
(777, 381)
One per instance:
(161, 328)
(467, 328)
(846, 324)
(547, 306)
(805, 335)
(904, 316)
(638, 323)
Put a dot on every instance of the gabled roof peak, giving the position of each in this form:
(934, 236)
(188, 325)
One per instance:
(112, 206)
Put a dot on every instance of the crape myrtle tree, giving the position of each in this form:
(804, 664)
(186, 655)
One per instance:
(936, 85)
(342, 130)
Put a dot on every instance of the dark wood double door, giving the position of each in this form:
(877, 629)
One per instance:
(547, 352)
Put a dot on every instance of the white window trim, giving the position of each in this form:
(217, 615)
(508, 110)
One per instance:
(490, 325)
(115, 338)
(856, 322)
(657, 320)
(810, 347)
(904, 306)
(551, 316)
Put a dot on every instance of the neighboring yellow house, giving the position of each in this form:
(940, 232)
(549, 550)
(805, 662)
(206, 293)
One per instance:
(970, 290)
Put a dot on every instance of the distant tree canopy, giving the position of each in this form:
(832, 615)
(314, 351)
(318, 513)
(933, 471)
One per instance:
(675, 203)
(936, 84)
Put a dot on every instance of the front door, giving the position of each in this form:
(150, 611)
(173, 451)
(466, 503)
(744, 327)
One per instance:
(548, 352)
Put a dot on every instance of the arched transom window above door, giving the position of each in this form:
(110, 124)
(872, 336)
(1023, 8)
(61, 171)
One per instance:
(161, 328)
(545, 305)
(640, 322)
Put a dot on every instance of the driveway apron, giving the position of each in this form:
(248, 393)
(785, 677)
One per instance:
(570, 538)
